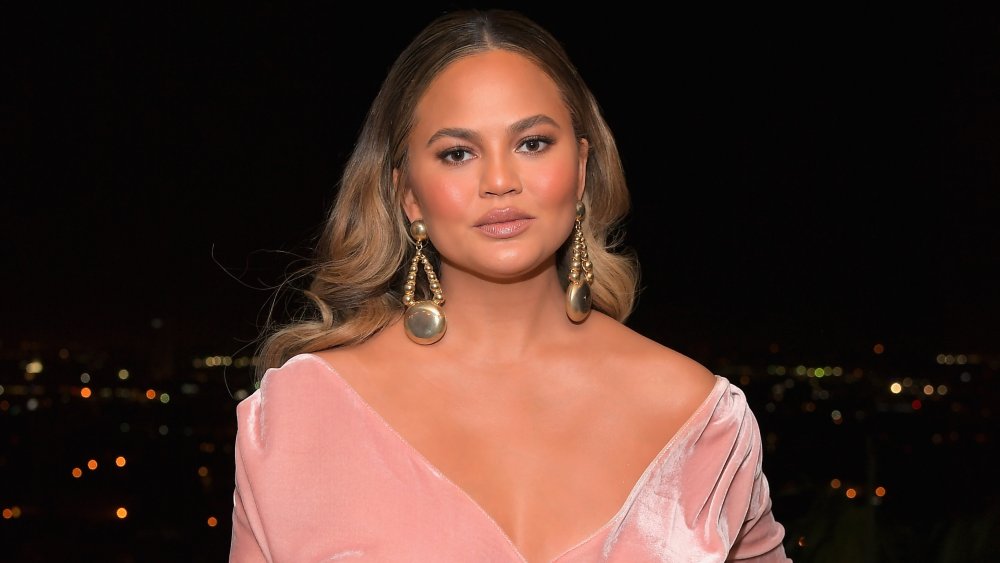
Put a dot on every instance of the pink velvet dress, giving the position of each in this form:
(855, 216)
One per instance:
(320, 476)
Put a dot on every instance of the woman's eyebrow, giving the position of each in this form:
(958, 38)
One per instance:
(471, 135)
(529, 122)
(458, 132)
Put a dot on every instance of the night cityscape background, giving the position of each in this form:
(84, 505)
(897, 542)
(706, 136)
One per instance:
(815, 207)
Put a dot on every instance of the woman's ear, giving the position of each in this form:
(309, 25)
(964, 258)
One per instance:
(410, 205)
(581, 182)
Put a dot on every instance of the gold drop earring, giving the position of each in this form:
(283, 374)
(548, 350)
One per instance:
(423, 321)
(581, 273)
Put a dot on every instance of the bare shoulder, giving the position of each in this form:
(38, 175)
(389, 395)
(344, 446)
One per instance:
(340, 358)
(367, 364)
(661, 374)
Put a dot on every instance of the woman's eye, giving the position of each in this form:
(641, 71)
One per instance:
(455, 155)
(535, 144)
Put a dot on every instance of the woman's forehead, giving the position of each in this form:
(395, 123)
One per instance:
(488, 87)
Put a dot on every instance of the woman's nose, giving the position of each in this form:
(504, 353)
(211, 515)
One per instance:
(500, 177)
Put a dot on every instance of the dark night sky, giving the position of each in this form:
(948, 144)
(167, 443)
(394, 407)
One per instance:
(820, 179)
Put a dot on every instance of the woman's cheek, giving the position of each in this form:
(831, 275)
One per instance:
(447, 201)
(557, 186)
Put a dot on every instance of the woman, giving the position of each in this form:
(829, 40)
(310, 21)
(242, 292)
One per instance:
(466, 390)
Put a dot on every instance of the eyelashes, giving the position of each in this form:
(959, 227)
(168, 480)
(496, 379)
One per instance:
(456, 155)
(537, 144)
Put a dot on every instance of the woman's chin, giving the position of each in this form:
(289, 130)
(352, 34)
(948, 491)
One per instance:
(508, 271)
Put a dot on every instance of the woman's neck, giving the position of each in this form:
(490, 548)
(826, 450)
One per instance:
(503, 320)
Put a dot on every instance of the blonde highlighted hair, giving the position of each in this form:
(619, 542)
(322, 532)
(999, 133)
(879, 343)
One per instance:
(358, 268)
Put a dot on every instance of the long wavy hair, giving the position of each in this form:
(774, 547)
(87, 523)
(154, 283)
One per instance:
(356, 275)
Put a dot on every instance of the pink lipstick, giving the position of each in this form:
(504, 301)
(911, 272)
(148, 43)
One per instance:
(505, 222)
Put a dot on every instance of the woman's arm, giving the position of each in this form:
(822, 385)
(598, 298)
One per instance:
(248, 543)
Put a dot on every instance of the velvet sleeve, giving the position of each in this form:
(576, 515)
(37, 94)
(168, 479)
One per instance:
(760, 537)
(248, 542)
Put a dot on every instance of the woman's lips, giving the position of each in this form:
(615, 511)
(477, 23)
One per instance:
(504, 229)
(504, 222)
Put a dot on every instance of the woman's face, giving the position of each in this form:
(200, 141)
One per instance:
(494, 166)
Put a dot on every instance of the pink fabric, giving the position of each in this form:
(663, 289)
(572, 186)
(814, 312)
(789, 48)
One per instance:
(320, 476)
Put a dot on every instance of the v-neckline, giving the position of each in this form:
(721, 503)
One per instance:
(433, 469)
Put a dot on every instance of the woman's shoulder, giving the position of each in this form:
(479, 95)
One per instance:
(295, 405)
(296, 382)
(299, 369)
(657, 370)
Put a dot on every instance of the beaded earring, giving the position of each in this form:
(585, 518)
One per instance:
(581, 273)
(424, 320)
